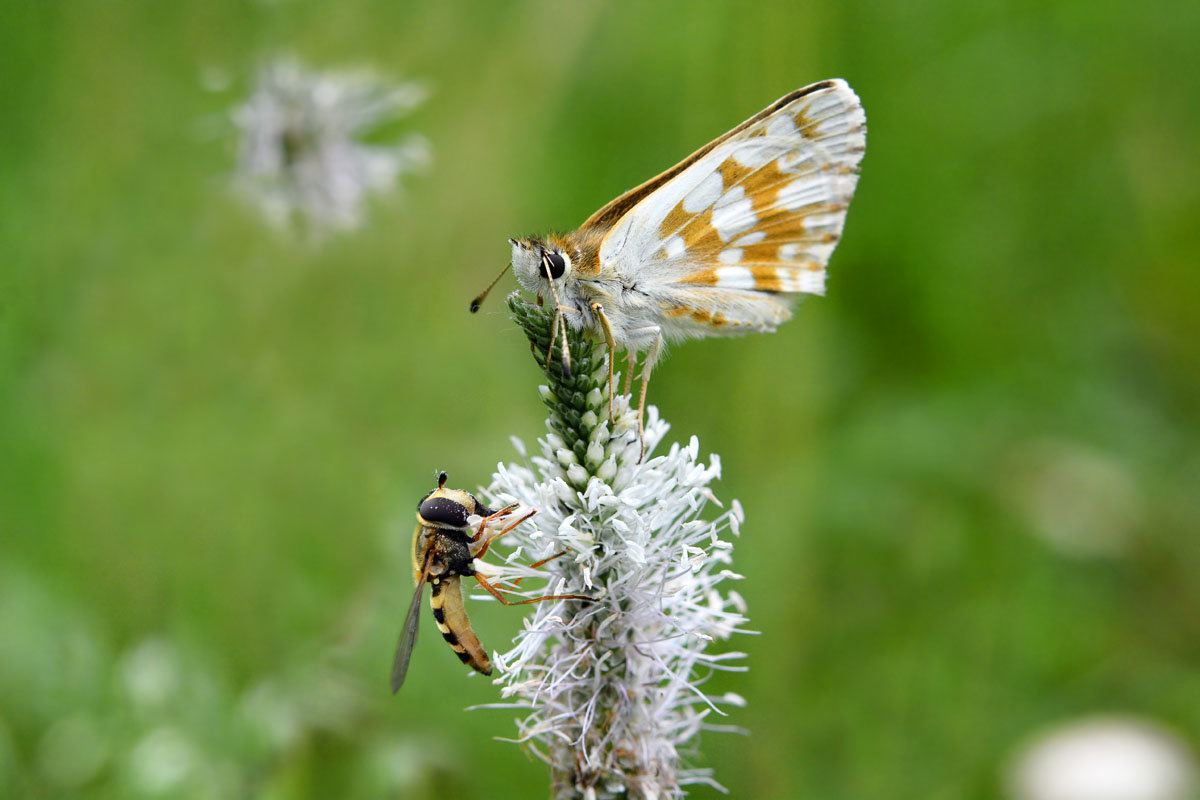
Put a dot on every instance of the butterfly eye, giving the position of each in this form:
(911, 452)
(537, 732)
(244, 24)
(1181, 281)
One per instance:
(554, 264)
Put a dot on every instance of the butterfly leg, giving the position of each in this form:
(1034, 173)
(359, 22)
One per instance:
(598, 310)
(566, 350)
(559, 308)
(559, 320)
(647, 367)
(632, 354)
(494, 592)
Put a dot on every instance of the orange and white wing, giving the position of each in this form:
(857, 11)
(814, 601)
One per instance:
(748, 218)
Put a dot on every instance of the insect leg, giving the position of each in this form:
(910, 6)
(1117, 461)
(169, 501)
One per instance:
(544, 561)
(566, 350)
(496, 594)
(495, 515)
(647, 366)
(598, 310)
(632, 354)
(558, 320)
(488, 541)
(559, 323)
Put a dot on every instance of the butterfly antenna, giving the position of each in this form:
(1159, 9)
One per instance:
(479, 298)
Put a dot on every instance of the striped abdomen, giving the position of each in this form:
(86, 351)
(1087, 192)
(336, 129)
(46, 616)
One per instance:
(451, 618)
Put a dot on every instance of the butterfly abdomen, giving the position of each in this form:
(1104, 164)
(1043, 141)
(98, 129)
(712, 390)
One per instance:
(451, 617)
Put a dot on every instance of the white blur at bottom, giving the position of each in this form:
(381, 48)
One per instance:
(1104, 758)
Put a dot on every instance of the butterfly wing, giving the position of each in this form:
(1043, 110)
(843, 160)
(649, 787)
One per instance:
(723, 237)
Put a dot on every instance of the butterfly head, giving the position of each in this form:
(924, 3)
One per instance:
(537, 262)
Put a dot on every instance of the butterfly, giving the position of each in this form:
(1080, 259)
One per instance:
(717, 245)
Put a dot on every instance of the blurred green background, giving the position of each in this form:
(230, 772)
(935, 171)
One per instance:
(970, 472)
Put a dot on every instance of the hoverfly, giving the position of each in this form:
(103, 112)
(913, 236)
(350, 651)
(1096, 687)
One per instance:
(444, 550)
(717, 245)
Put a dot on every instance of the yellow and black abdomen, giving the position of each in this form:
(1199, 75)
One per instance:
(451, 617)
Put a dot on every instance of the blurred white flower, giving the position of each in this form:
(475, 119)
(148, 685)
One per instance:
(615, 688)
(72, 751)
(302, 151)
(1081, 501)
(403, 765)
(151, 672)
(283, 709)
(1104, 758)
(272, 714)
(214, 78)
(162, 760)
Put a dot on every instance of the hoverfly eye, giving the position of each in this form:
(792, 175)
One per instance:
(443, 511)
(554, 264)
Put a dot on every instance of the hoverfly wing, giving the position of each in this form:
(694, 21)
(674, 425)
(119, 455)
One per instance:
(408, 638)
